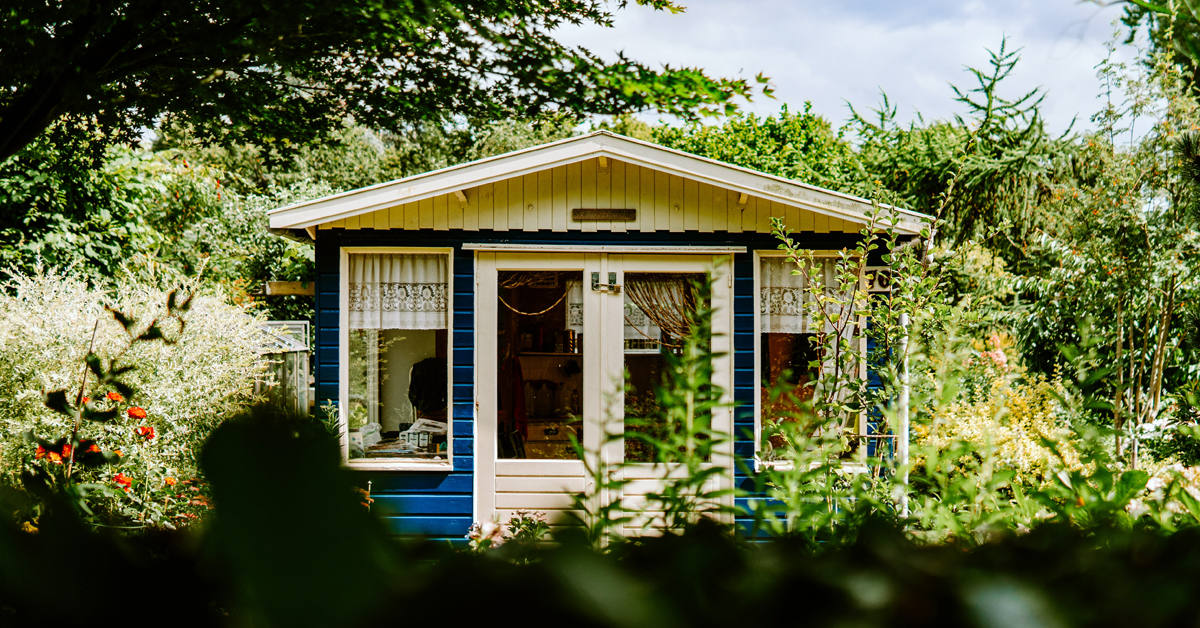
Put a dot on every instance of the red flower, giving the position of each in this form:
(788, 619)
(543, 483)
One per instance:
(122, 480)
(40, 453)
(145, 432)
(66, 450)
(86, 399)
(92, 449)
(115, 396)
(137, 413)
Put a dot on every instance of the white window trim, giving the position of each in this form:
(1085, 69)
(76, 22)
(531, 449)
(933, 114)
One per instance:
(759, 463)
(344, 363)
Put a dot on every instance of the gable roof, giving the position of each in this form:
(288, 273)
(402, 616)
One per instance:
(599, 143)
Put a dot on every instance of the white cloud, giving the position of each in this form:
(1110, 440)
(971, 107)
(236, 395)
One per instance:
(848, 50)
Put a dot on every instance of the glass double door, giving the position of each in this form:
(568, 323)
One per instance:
(570, 346)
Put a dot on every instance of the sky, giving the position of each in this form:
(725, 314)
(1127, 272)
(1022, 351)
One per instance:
(836, 51)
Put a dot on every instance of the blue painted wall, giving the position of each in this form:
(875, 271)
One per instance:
(438, 505)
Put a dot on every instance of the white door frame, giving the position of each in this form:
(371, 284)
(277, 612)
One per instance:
(602, 382)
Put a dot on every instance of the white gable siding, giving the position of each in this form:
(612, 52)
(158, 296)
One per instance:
(542, 201)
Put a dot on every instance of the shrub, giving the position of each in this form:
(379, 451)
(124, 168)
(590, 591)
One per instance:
(1013, 423)
(184, 386)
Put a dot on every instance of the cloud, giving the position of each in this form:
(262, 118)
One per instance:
(831, 53)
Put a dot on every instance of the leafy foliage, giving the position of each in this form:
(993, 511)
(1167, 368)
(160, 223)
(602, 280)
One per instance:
(280, 75)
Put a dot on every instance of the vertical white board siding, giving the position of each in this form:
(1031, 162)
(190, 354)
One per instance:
(750, 215)
(720, 209)
(544, 200)
(691, 205)
(676, 200)
(500, 222)
(791, 217)
(648, 211)
(471, 211)
(734, 212)
(574, 193)
(588, 191)
(560, 213)
(662, 201)
(705, 221)
(441, 212)
(529, 215)
(516, 203)
(487, 196)
(604, 193)
(412, 219)
(545, 203)
(457, 208)
(633, 195)
(425, 213)
(807, 219)
(617, 170)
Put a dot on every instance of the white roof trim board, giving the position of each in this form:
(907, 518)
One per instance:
(576, 149)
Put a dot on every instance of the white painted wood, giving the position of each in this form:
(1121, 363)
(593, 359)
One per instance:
(485, 386)
(648, 213)
(720, 201)
(516, 204)
(675, 194)
(617, 175)
(588, 147)
(540, 484)
(691, 205)
(425, 213)
(545, 202)
(352, 222)
(704, 202)
(487, 199)
(530, 211)
(558, 199)
(662, 201)
(633, 195)
(574, 193)
(601, 248)
(471, 211)
(454, 207)
(501, 206)
(441, 213)
(588, 193)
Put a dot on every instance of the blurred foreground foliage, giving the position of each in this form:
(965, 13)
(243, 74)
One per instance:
(290, 544)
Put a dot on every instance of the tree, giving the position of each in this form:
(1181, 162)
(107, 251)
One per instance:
(283, 72)
(801, 146)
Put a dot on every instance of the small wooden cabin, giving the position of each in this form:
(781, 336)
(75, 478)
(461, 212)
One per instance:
(469, 320)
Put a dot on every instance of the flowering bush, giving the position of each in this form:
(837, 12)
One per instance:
(1012, 423)
(180, 390)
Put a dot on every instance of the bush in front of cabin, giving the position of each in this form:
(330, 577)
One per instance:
(177, 367)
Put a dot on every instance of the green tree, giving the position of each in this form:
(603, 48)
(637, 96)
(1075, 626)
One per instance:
(281, 73)
(801, 146)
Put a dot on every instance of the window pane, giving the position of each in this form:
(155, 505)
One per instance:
(540, 376)
(398, 406)
(657, 307)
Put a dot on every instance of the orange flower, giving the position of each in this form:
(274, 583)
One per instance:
(137, 412)
(118, 452)
(124, 481)
(54, 457)
(115, 396)
(169, 481)
(86, 399)
(40, 453)
(66, 450)
(145, 432)
(93, 449)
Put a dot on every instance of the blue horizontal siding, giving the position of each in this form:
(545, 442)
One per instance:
(438, 526)
(413, 505)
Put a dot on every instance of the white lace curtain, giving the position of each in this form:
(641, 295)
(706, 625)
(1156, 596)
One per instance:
(783, 295)
(398, 291)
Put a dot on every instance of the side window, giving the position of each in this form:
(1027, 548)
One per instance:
(790, 341)
(397, 376)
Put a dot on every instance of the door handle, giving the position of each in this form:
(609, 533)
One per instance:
(612, 287)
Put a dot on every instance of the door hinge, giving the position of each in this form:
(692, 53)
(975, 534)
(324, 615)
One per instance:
(610, 287)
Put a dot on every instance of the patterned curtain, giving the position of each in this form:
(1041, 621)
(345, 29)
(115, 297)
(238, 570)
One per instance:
(783, 295)
(398, 291)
